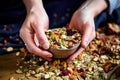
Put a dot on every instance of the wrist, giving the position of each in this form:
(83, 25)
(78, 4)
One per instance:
(86, 12)
(36, 9)
(33, 6)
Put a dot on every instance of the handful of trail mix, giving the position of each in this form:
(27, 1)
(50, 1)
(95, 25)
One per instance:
(63, 38)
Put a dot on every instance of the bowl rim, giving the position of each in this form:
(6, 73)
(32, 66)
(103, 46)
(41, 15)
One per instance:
(75, 46)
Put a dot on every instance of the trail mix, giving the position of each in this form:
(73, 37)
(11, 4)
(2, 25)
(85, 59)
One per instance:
(94, 63)
(64, 38)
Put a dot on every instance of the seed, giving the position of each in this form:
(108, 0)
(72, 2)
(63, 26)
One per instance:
(10, 49)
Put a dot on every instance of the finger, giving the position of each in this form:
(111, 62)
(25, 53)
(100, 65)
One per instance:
(28, 38)
(40, 33)
(36, 41)
(74, 24)
(34, 49)
(73, 56)
(87, 35)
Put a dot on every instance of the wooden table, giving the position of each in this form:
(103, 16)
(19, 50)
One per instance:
(8, 66)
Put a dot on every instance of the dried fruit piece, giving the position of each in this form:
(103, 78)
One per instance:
(12, 78)
(108, 67)
(63, 37)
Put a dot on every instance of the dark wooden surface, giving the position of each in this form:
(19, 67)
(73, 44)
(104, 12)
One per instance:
(8, 66)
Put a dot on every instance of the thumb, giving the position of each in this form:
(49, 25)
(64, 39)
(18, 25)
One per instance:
(85, 41)
(42, 39)
(87, 35)
(41, 36)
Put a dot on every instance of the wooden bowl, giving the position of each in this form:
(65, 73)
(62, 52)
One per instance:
(63, 53)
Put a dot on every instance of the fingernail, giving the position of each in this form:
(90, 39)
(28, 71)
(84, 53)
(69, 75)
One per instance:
(85, 44)
(49, 59)
(49, 55)
(45, 46)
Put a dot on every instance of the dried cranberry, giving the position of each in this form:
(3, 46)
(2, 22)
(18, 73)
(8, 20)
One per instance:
(80, 70)
(70, 32)
(66, 72)
(83, 75)
(69, 47)
(62, 68)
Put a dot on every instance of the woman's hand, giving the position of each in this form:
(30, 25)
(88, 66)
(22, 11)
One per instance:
(33, 32)
(83, 20)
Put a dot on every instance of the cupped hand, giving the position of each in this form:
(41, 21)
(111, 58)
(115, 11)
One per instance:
(84, 22)
(32, 33)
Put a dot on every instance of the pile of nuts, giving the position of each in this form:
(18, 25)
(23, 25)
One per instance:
(100, 57)
(63, 38)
